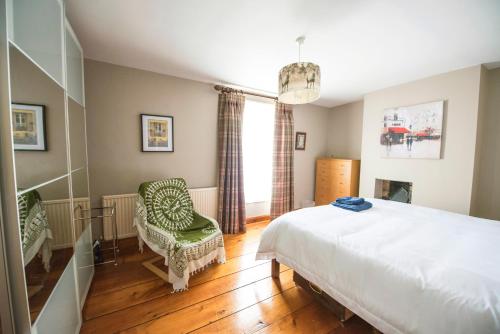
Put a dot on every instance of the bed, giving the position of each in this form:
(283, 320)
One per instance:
(35, 231)
(401, 267)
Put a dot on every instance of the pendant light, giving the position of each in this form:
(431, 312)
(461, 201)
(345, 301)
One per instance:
(299, 82)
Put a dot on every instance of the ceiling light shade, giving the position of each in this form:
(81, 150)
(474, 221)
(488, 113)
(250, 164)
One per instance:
(299, 82)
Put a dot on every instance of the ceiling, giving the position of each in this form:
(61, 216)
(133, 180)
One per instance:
(361, 46)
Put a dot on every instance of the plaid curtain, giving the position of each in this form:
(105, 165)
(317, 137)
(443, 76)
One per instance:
(231, 213)
(282, 199)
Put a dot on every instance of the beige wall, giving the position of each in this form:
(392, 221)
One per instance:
(487, 173)
(444, 183)
(314, 121)
(116, 96)
(345, 128)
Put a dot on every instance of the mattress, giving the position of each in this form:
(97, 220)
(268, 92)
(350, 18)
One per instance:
(401, 267)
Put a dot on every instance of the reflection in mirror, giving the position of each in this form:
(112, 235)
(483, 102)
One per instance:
(80, 185)
(38, 123)
(83, 248)
(81, 200)
(47, 239)
(76, 115)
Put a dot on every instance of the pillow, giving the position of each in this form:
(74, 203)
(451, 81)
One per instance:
(168, 204)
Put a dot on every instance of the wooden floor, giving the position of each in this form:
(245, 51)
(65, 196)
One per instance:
(236, 297)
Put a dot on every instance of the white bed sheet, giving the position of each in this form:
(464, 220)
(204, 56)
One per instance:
(403, 268)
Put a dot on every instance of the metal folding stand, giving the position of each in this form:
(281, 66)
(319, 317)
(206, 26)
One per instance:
(102, 215)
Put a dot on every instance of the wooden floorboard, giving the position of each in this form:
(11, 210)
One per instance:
(239, 296)
(208, 311)
(261, 314)
(312, 318)
(118, 299)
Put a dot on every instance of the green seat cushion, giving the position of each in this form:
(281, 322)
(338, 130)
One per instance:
(199, 230)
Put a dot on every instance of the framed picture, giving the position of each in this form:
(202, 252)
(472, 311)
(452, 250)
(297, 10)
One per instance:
(28, 127)
(413, 131)
(300, 141)
(157, 133)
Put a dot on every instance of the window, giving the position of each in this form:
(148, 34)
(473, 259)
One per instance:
(20, 120)
(257, 141)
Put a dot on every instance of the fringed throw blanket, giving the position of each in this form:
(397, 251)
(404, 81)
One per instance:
(35, 231)
(166, 221)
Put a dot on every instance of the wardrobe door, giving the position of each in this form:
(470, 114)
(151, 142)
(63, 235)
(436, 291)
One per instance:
(5, 308)
(43, 190)
(60, 312)
(83, 249)
(84, 258)
(6, 323)
(81, 201)
(74, 66)
(46, 150)
(36, 27)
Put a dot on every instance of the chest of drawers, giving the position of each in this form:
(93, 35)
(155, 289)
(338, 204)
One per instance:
(336, 178)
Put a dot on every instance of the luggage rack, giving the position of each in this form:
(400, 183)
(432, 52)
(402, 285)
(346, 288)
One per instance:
(103, 212)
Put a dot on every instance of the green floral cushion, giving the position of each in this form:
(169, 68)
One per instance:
(168, 204)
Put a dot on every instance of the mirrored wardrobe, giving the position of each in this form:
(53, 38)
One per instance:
(48, 240)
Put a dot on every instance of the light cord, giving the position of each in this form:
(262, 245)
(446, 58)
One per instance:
(300, 41)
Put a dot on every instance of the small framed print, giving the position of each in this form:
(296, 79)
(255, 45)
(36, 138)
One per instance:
(28, 127)
(300, 141)
(157, 133)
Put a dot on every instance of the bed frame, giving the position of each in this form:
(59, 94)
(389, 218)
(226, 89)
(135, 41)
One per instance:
(340, 311)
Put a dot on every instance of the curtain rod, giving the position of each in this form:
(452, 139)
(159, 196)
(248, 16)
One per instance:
(225, 89)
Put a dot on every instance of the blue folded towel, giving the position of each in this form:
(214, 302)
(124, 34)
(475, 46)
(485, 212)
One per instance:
(361, 207)
(351, 200)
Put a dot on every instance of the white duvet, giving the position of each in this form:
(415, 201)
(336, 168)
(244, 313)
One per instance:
(403, 268)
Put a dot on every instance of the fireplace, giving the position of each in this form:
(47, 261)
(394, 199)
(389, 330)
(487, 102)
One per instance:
(399, 191)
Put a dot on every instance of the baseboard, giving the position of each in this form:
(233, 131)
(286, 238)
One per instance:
(257, 219)
(127, 235)
(123, 236)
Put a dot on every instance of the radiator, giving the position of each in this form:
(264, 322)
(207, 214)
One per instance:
(80, 225)
(204, 202)
(59, 218)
